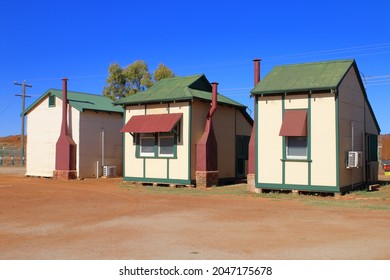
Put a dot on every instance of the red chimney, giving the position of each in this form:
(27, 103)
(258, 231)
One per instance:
(252, 141)
(64, 126)
(65, 147)
(256, 62)
(206, 149)
(214, 99)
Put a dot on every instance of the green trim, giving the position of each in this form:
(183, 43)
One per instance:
(80, 101)
(52, 101)
(314, 188)
(167, 168)
(144, 165)
(309, 139)
(158, 180)
(337, 140)
(156, 155)
(189, 139)
(123, 147)
(296, 160)
(137, 146)
(156, 140)
(256, 117)
(283, 144)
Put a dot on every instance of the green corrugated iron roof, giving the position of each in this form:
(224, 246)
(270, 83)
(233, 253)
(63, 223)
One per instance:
(176, 89)
(81, 101)
(304, 77)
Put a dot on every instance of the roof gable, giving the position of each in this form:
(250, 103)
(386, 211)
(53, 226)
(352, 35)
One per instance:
(81, 101)
(304, 77)
(177, 89)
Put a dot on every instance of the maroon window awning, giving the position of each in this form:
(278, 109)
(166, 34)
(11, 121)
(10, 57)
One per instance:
(152, 123)
(294, 123)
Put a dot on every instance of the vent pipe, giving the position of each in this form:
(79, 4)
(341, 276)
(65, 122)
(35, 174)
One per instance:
(64, 126)
(252, 141)
(214, 100)
(256, 63)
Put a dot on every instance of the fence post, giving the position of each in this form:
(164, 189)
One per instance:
(1, 160)
(13, 160)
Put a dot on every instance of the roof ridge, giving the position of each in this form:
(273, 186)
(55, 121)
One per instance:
(317, 62)
(78, 92)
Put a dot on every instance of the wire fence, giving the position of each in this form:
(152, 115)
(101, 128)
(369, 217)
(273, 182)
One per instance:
(10, 156)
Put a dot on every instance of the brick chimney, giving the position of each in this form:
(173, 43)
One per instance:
(65, 147)
(206, 149)
(252, 141)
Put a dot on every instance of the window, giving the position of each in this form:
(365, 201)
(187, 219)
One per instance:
(156, 145)
(166, 146)
(147, 143)
(296, 147)
(52, 101)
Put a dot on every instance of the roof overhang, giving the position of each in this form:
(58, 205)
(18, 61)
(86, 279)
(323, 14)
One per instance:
(152, 123)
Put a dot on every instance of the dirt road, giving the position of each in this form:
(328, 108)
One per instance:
(98, 219)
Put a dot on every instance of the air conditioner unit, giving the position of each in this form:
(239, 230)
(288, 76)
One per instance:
(354, 159)
(109, 171)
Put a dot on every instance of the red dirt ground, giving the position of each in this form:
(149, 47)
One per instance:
(97, 219)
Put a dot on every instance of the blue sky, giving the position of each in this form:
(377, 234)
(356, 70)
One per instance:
(43, 41)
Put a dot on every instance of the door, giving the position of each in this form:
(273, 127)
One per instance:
(242, 143)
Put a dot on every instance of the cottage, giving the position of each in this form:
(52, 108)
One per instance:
(92, 125)
(174, 136)
(314, 129)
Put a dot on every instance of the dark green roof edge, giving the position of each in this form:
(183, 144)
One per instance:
(191, 87)
(335, 87)
(256, 91)
(354, 65)
(74, 104)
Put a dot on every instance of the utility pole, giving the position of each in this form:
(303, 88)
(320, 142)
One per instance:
(23, 95)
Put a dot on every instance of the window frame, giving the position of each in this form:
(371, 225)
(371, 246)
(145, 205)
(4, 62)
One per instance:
(166, 136)
(139, 138)
(52, 101)
(296, 157)
(143, 137)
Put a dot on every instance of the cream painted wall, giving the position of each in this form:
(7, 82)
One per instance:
(295, 101)
(270, 145)
(92, 125)
(296, 173)
(159, 168)
(242, 126)
(152, 109)
(224, 128)
(351, 109)
(43, 130)
(178, 168)
(323, 140)
(227, 122)
(198, 122)
(133, 166)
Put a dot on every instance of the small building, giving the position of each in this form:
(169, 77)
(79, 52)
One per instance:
(93, 123)
(314, 129)
(174, 136)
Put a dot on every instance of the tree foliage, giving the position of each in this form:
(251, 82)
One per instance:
(133, 78)
(162, 72)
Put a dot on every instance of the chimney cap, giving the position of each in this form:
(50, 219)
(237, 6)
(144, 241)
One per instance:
(214, 83)
(65, 79)
(257, 59)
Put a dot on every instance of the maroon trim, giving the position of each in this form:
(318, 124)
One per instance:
(152, 123)
(294, 123)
